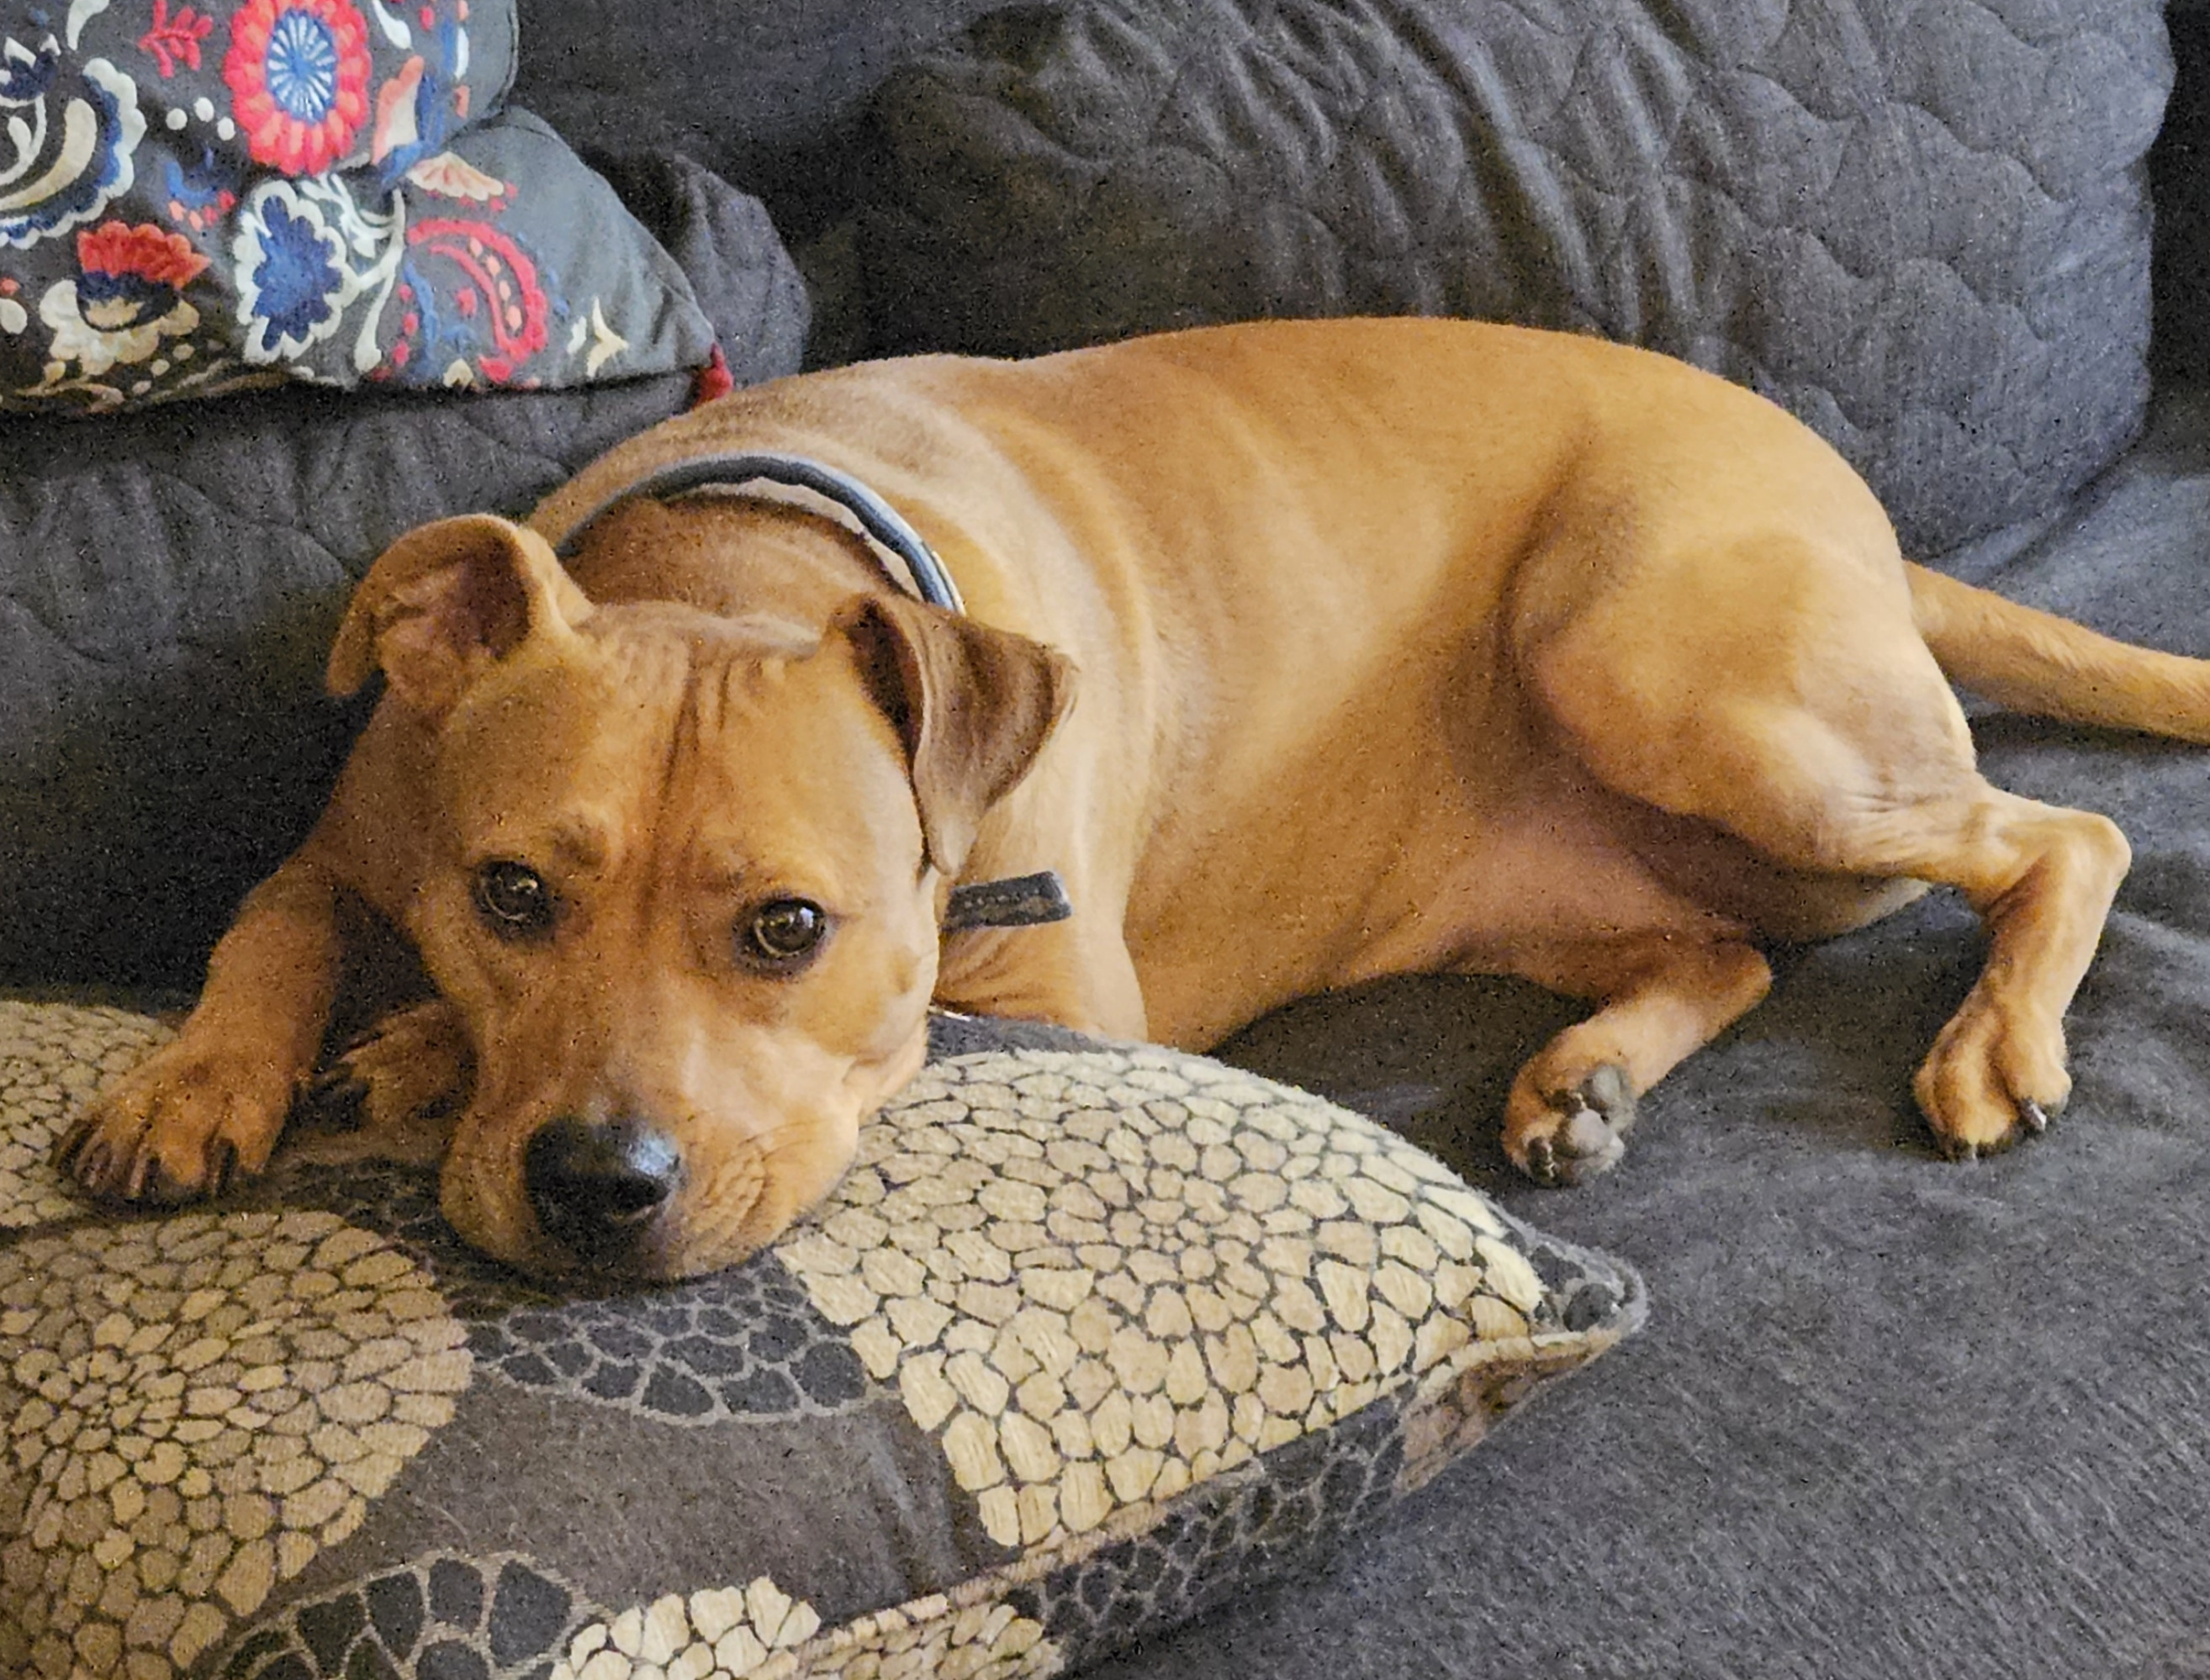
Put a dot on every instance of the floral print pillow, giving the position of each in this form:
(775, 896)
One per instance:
(194, 198)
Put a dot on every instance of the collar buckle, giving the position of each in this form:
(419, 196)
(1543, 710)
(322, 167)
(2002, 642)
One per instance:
(1022, 901)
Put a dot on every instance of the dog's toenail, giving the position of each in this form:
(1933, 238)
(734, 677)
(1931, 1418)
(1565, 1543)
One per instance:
(1541, 1164)
(599, 1186)
(2035, 1116)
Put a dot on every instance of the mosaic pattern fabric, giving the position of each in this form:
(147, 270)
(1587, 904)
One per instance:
(194, 198)
(1923, 229)
(1087, 1338)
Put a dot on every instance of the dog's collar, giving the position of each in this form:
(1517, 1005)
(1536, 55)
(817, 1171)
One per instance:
(1025, 901)
(918, 571)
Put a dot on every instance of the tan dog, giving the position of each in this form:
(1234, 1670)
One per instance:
(1401, 645)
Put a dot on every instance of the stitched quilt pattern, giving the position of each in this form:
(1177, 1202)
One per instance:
(1922, 228)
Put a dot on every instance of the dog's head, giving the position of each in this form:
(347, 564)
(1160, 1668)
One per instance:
(680, 875)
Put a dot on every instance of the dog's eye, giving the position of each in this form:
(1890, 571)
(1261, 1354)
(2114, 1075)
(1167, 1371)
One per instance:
(513, 899)
(783, 932)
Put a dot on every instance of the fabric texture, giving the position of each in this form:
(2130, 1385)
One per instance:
(1924, 230)
(202, 198)
(1087, 1339)
(769, 93)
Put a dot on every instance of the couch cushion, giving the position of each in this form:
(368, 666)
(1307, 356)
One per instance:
(1923, 229)
(767, 93)
(1088, 1337)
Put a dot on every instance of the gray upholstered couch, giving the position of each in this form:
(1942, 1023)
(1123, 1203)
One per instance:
(1890, 1417)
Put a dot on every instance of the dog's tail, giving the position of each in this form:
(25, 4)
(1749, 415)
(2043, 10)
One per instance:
(2035, 662)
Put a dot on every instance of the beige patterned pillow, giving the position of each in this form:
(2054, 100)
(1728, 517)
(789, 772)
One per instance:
(1088, 1337)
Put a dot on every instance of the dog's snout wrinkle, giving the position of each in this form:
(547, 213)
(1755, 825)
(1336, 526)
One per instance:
(598, 1187)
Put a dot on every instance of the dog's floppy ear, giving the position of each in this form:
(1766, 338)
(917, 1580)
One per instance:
(972, 705)
(447, 600)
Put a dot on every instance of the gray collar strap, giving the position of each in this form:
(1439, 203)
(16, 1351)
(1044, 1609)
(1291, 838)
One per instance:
(918, 571)
(1025, 901)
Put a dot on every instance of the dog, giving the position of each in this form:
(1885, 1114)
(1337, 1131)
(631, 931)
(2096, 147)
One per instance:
(1304, 653)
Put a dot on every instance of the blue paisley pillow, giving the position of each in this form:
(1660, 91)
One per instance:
(197, 197)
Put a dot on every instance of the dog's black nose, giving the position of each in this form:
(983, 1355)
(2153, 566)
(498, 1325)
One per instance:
(599, 1186)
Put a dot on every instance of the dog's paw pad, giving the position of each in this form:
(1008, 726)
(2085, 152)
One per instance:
(1588, 1136)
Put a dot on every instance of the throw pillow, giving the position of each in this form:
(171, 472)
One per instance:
(1088, 1337)
(195, 198)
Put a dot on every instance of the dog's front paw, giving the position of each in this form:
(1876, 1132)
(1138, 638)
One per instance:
(401, 1083)
(1569, 1136)
(184, 1123)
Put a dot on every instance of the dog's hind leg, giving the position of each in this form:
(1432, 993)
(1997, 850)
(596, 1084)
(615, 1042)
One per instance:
(1783, 695)
(2043, 878)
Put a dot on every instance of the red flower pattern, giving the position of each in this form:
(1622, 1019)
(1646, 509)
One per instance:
(147, 252)
(298, 72)
(513, 303)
